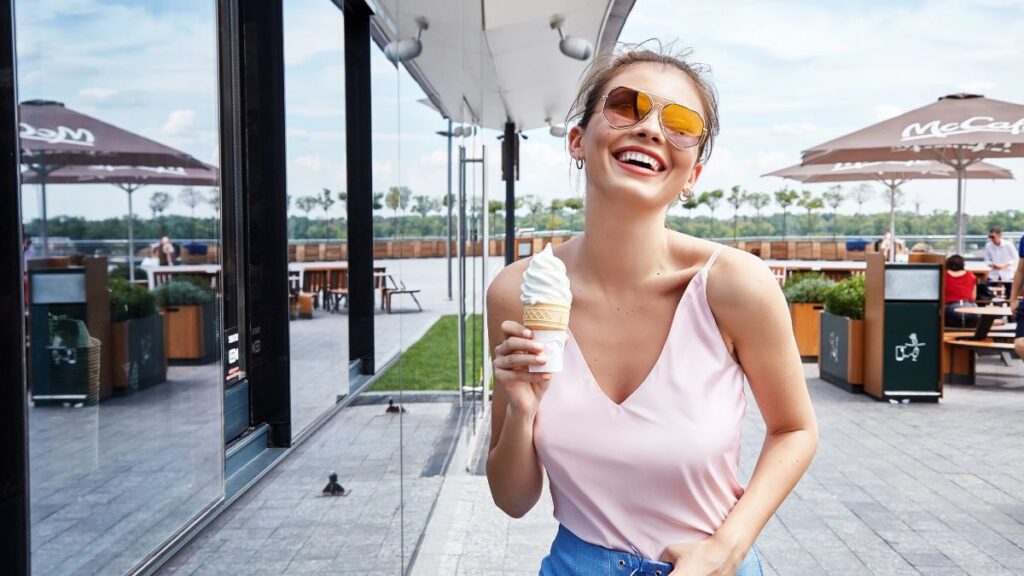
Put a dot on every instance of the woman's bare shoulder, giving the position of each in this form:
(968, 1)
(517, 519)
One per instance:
(504, 291)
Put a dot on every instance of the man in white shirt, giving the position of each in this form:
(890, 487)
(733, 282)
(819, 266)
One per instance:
(1000, 256)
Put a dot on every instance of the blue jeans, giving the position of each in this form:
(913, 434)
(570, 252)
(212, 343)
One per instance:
(571, 556)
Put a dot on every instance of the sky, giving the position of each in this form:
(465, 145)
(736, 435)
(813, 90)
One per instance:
(790, 74)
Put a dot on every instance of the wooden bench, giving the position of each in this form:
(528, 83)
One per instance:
(959, 356)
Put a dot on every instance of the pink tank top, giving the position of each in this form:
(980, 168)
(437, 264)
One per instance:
(661, 467)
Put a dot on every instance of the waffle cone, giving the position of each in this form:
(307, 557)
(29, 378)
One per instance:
(543, 316)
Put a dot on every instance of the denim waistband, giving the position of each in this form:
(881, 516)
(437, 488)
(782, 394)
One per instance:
(571, 556)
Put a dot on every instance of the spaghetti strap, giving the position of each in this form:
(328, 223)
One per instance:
(711, 260)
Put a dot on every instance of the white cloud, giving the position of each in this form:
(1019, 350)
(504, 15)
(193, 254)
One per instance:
(885, 111)
(178, 121)
(309, 162)
(98, 93)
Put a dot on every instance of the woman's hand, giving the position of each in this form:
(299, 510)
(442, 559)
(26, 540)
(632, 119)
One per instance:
(512, 360)
(705, 558)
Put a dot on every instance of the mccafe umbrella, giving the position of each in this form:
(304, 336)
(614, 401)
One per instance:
(53, 137)
(130, 179)
(891, 174)
(958, 130)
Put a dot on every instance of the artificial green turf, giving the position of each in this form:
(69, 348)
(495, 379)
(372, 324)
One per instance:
(432, 363)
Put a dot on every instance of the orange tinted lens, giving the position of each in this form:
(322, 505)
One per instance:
(621, 107)
(684, 126)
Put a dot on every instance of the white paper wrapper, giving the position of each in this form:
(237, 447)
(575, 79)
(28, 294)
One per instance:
(554, 349)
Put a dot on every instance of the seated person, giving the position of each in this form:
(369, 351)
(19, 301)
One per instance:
(960, 291)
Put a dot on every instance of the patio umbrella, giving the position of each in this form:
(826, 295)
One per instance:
(958, 130)
(891, 174)
(52, 137)
(129, 179)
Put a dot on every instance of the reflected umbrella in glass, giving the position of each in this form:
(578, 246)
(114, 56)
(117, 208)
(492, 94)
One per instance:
(129, 179)
(53, 137)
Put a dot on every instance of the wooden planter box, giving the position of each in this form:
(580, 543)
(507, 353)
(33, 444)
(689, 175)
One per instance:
(138, 353)
(806, 329)
(190, 333)
(841, 361)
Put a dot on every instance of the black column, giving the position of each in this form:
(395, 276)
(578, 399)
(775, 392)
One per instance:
(509, 172)
(15, 528)
(359, 153)
(255, 188)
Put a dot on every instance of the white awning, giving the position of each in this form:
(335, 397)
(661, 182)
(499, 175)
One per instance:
(489, 61)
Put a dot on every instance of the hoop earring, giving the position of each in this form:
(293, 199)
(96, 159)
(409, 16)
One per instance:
(685, 195)
(579, 163)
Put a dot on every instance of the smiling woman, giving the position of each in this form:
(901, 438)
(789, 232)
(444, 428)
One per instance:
(639, 433)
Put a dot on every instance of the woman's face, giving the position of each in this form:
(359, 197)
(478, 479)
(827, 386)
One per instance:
(602, 146)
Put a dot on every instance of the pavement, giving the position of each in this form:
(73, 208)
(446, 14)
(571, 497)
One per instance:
(904, 489)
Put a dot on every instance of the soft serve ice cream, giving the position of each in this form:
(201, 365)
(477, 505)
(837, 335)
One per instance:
(547, 298)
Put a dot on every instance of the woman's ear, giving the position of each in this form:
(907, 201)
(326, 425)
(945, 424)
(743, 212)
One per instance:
(575, 137)
(691, 182)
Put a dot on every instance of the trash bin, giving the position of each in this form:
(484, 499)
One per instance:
(903, 330)
(74, 363)
(54, 293)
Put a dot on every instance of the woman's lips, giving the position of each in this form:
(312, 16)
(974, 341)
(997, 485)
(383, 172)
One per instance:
(634, 168)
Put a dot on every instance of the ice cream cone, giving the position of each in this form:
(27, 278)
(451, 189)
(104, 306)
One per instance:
(544, 316)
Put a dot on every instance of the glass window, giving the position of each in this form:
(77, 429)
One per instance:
(120, 198)
(317, 217)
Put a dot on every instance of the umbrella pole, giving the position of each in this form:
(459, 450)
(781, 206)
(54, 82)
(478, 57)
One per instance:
(42, 221)
(960, 244)
(131, 236)
(893, 187)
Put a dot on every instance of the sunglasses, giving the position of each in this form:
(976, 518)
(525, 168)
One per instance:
(625, 107)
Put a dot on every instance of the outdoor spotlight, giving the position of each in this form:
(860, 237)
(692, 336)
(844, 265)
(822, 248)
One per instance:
(460, 131)
(572, 46)
(556, 131)
(406, 49)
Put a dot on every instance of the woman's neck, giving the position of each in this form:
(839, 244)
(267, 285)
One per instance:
(618, 249)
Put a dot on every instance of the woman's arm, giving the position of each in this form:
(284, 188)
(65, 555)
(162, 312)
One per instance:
(753, 315)
(513, 470)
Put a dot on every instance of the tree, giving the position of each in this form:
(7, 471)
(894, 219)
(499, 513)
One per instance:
(736, 199)
(378, 200)
(423, 205)
(759, 200)
(307, 204)
(159, 202)
(894, 194)
(573, 205)
(861, 194)
(191, 197)
(398, 198)
(213, 199)
(834, 198)
(554, 208)
(493, 207)
(326, 200)
(535, 205)
(711, 199)
(692, 202)
(785, 198)
(810, 202)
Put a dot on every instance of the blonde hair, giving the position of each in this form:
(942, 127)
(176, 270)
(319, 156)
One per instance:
(606, 64)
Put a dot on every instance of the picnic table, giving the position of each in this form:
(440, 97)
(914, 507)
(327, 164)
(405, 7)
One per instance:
(987, 315)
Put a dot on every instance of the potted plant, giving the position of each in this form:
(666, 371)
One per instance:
(842, 335)
(137, 331)
(805, 293)
(190, 320)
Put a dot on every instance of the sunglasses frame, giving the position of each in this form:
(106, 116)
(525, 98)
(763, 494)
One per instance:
(661, 115)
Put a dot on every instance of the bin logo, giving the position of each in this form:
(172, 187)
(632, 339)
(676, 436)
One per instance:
(909, 351)
(833, 342)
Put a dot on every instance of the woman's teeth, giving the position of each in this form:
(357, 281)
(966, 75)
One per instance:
(639, 159)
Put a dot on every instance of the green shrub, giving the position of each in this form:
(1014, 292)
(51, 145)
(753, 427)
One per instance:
(846, 298)
(181, 292)
(807, 290)
(129, 301)
(801, 276)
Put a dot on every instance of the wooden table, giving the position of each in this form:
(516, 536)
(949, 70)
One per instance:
(987, 316)
(157, 275)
